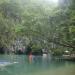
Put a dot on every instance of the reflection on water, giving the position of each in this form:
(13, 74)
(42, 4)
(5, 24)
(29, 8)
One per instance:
(36, 65)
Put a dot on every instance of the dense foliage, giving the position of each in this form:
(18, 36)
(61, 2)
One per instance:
(42, 24)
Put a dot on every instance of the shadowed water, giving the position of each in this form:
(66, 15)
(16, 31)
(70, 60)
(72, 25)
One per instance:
(35, 65)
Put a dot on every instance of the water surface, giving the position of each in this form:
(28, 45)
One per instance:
(35, 65)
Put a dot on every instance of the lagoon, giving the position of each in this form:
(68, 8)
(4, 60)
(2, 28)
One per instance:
(35, 65)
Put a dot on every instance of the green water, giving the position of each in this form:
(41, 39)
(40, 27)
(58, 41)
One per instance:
(36, 65)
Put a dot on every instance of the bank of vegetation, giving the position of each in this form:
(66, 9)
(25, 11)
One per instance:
(32, 25)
